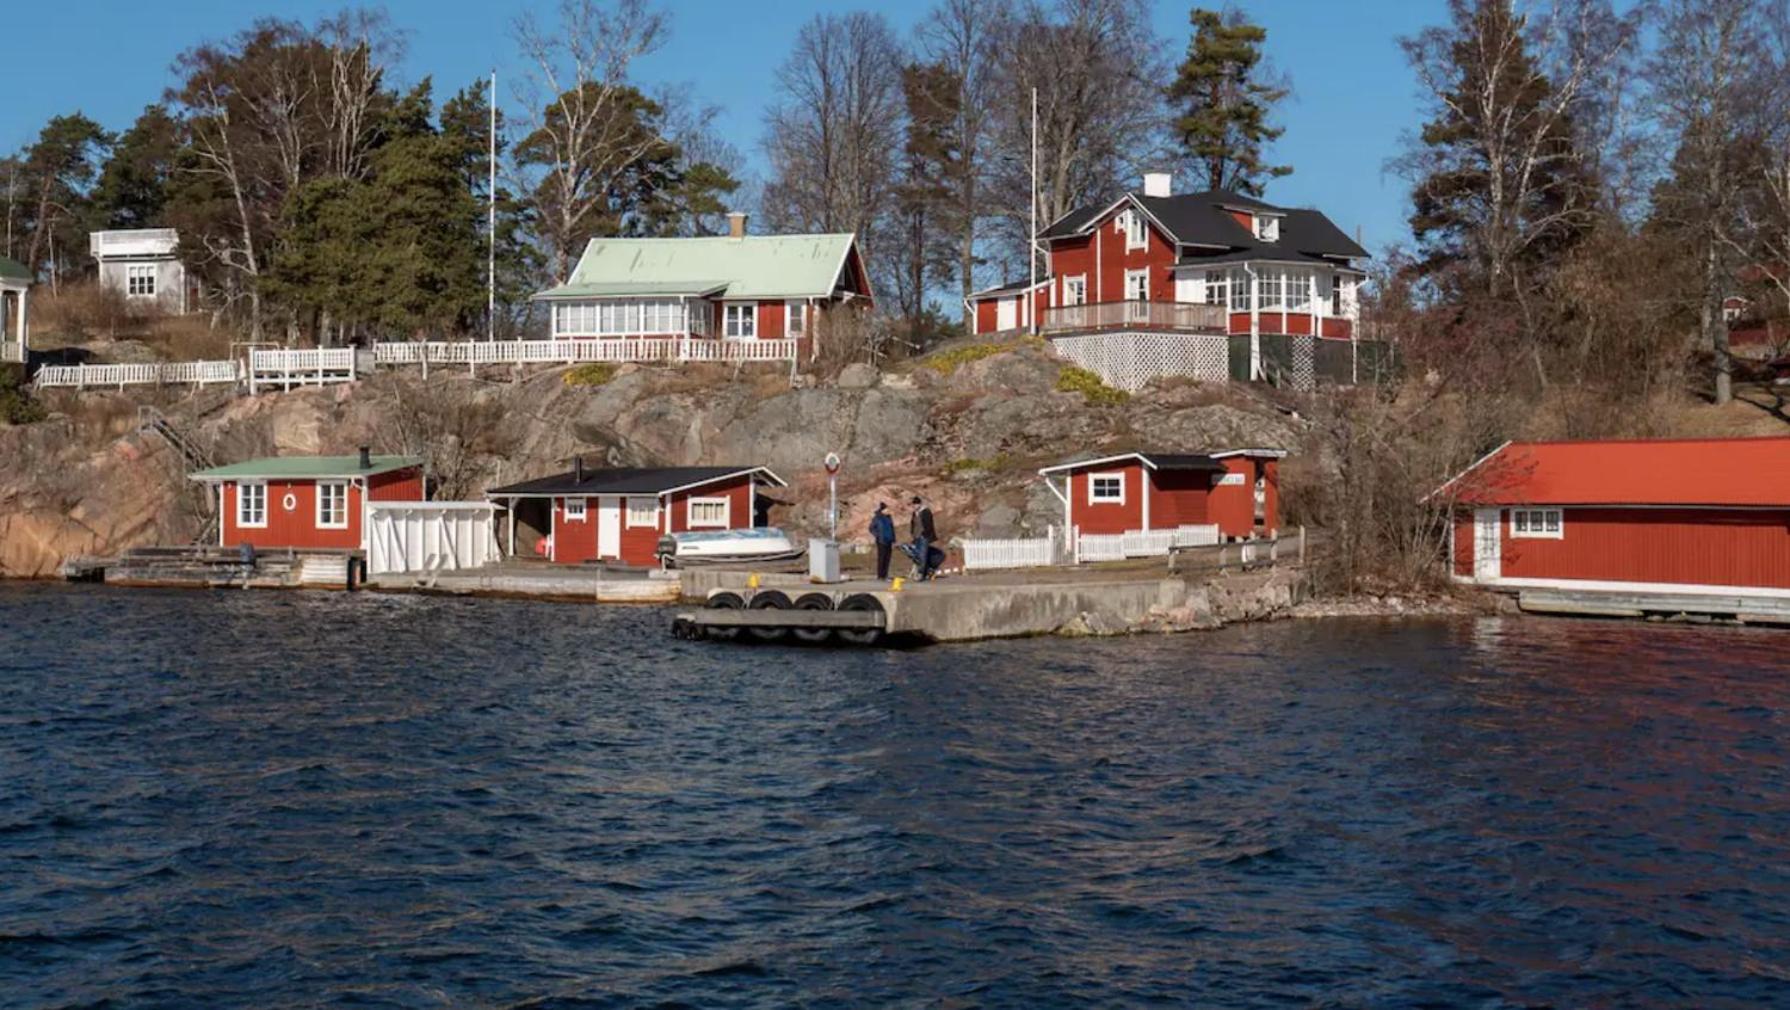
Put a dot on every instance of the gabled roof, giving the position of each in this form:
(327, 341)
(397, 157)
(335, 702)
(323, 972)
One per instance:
(306, 468)
(639, 480)
(12, 270)
(755, 266)
(1202, 219)
(1167, 460)
(1737, 472)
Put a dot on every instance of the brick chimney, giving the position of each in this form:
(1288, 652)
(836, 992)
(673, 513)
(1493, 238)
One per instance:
(1158, 184)
(736, 224)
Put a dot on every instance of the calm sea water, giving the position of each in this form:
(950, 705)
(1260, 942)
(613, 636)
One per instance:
(267, 799)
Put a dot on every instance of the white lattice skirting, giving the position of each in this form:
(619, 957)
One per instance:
(1129, 360)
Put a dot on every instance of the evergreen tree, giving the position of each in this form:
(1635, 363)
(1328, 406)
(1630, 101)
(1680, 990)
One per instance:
(1225, 98)
(133, 187)
(58, 174)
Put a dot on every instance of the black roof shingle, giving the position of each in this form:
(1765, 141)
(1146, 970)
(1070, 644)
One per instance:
(626, 480)
(1201, 219)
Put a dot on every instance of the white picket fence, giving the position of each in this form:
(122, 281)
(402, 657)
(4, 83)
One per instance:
(305, 367)
(640, 349)
(1141, 543)
(1025, 552)
(147, 374)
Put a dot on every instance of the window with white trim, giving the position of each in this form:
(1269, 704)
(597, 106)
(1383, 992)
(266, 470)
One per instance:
(1106, 488)
(1267, 228)
(574, 510)
(1075, 290)
(1545, 524)
(708, 513)
(643, 512)
(1273, 284)
(1217, 287)
(332, 504)
(251, 505)
(1240, 281)
(741, 319)
(1132, 224)
(1299, 290)
(1137, 285)
(1336, 294)
(139, 280)
(793, 318)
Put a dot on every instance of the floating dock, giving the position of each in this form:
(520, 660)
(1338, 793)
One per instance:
(1736, 608)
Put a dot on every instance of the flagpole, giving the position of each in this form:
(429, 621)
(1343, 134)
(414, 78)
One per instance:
(1032, 238)
(491, 223)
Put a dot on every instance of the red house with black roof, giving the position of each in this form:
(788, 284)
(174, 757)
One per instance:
(1236, 490)
(1159, 275)
(618, 514)
(1708, 516)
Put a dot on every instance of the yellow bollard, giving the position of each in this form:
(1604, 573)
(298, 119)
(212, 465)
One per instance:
(752, 581)
(895, 586)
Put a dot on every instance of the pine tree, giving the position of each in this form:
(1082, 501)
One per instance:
(133, 187)
(1225, 98)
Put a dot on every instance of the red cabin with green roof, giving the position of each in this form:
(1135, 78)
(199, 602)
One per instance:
(307, 502)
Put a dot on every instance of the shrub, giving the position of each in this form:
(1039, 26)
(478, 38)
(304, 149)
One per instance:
(1094, 391)
(951, 359)
(967, 464)
(596, 373)
(16, 405)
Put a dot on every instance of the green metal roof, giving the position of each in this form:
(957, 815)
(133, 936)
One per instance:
(12, 270)
(305, 468)
(756, 266)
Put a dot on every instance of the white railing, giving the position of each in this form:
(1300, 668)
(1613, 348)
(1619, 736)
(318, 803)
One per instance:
(152, 373)
(1149, 314)
(640, 349)
(1142, 543)
(287, 368)
(1030, 552)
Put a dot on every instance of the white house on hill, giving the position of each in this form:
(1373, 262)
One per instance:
(143, 265)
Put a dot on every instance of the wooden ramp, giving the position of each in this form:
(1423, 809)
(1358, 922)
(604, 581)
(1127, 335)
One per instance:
(1740, 607)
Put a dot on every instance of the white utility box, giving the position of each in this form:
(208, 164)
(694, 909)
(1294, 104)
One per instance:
(823, 560)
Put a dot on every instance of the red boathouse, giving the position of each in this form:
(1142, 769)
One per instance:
(1646, 516)
(307, 502)
(1237, 490)
(619, 514)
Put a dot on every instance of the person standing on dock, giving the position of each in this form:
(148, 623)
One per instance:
(882, 533)
(920, 528)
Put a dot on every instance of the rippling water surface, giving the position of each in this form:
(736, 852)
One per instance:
(267, 799)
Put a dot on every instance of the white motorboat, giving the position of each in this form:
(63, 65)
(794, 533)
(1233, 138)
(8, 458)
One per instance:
(719, 547)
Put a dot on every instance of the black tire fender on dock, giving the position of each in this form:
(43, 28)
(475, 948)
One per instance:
(769, 599)
(861, 636)
(724, 600)
(814, 601)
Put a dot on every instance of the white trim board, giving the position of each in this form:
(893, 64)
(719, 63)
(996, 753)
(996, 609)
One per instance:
(1664, 588)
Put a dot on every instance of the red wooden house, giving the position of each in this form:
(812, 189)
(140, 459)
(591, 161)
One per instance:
(1171, 278)
(743, 291)
(307, 502)
(619, 514)
(1666, 515)
(1236, 490)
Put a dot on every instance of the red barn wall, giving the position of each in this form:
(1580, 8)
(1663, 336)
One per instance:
(1179, 498)
(396, 485)
(1688, 546)
(1463, 544)
(739, 510)
(574, 540)
(297, 528)
(1107, 517)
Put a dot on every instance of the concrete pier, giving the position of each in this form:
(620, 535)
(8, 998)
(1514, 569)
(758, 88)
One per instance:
(572, 584)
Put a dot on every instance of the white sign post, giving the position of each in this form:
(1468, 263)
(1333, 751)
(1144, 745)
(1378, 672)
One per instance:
(832, 465)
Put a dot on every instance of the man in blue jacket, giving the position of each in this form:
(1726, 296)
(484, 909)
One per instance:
(882, 532)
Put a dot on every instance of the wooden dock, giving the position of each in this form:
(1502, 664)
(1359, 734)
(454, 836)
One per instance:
(1737, 608)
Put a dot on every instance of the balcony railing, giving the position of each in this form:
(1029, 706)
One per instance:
(1147, 315)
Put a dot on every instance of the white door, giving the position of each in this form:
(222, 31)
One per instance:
(1006, 314)
(609, 527)
(1487, 553)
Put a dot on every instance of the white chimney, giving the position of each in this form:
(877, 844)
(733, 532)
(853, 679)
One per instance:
(1158, 184)
(736, 224)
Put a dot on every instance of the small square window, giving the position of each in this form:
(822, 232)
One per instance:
(332, 505)
(708, 513)
(1106, 488)
(139, 280)
(574, 510)
(643, 512)
(251, 505)
(741, 320)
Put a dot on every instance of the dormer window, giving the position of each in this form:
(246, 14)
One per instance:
(1132, 224)
(1267, 228)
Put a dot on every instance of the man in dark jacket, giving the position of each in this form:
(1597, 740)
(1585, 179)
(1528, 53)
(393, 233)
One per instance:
(920, 528)
(882, 532)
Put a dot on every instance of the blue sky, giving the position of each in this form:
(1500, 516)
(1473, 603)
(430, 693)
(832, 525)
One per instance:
(1353, 95)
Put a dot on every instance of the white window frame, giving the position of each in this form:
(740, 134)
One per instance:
(1137, 236)
(1336, 294)
(145, 273)
(1267, 228)
(1240, 291)
(1537, 524)
(1297, 294)
(793, 318)
(341, 485)
(633, 508)
(244, 523)
(1218, 288)
(1137, 275)
(1094, 495)
(574, 510)
(1078, 284)
(739, 320)
(692, 522)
